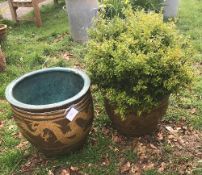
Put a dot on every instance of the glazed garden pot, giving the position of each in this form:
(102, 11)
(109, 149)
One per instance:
(3, 32)
(80, 14)
(53, 108)
(135, 125)
(2, 61)
(171, 8)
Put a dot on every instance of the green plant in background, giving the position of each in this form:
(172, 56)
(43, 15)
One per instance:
(138, 60)
(115, 7)
(148, 5)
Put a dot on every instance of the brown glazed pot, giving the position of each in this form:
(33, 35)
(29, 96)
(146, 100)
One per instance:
(40, 112)
(3, 32)
(2, 61)
(135, 125)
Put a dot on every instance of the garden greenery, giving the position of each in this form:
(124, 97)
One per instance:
(137, 61)
(148, 5)
(114, 7)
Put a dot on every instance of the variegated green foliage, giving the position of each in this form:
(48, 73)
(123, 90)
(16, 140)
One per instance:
(115, 7)
(138, 60)
(148, 5)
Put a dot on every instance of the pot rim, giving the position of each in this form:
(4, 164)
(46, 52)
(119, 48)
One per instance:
(3, 26)
(13, 101)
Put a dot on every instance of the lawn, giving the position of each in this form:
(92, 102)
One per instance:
(176, 148)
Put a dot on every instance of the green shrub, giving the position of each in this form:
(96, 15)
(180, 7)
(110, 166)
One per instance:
(138, 60)
(115, 7)
(147, 5)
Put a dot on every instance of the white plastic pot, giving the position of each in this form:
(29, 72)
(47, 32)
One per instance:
(80, 14)
(171, 8)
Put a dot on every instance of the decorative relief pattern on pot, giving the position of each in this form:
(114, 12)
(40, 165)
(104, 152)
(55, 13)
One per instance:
(43, 132)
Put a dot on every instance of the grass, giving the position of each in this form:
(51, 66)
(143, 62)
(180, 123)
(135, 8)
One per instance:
(190, 24)
(29, 48)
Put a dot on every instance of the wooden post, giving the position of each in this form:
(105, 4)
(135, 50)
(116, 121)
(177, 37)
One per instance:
(13, 10)
(37, 14)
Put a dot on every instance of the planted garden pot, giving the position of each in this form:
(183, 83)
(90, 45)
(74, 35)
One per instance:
(135, 74)
(53, 108)
(171, 8)
(134, 125)
(3, 31)
(80, 14)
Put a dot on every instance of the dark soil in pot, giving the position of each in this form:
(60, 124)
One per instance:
(134, 125)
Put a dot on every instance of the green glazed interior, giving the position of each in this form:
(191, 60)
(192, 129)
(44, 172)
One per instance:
(48, 88)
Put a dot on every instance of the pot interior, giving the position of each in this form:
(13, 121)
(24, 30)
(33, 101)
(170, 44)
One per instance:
(48, 87)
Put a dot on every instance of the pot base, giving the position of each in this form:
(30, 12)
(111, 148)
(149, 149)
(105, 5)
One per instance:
(135, 125)
(63, 151)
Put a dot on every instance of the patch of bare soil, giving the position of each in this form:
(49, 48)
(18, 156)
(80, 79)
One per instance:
(173, 148)
(33, 161)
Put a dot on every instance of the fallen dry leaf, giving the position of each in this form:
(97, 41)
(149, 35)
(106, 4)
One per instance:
(105, 131)
(193, 110)
(126, 167)
(170, 129)
(65, 172)
(160, 136)
(141, 151)
(67, 56)
(73, 168)
(148, 166)
(136, 170)
(105, 162)
(116, 149)
(50, 172)
(152, 146)
(117, 138)
(22, 145)
(19, 135)
(60, 37)
(162, 167)
(90, 165)
(78, 66)
(31, 163)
